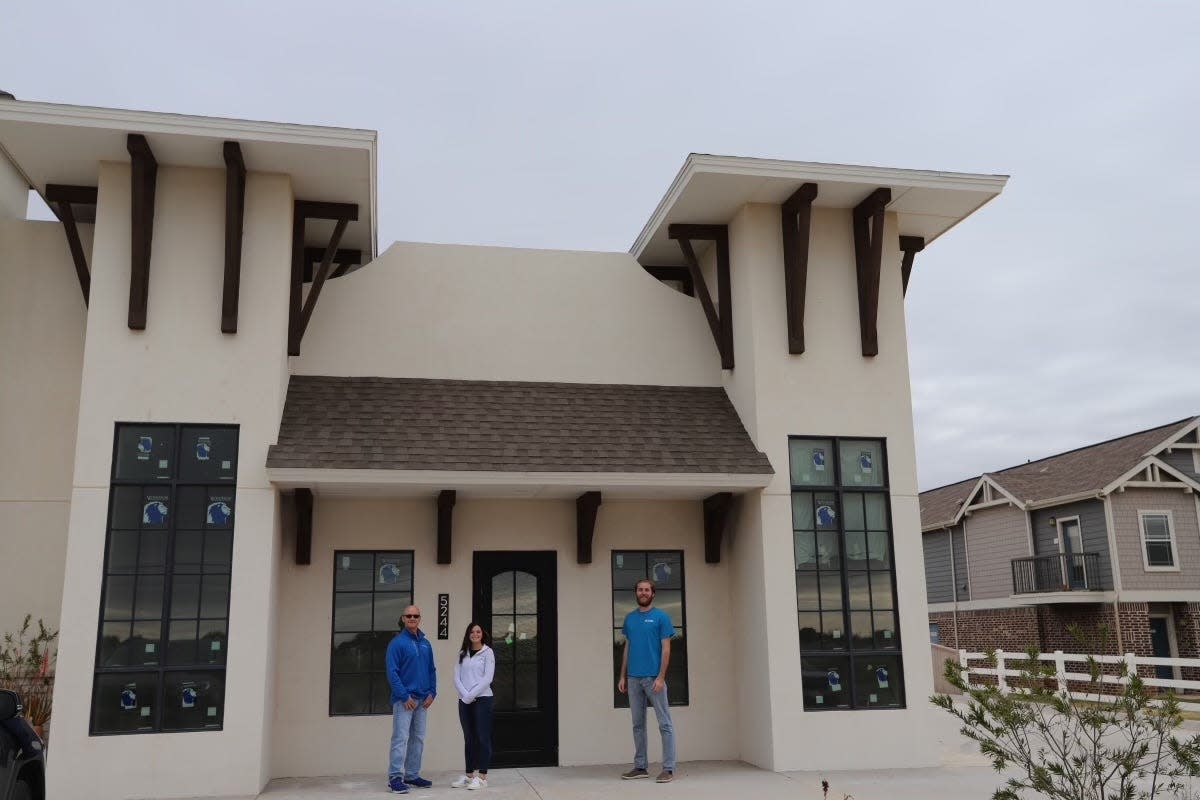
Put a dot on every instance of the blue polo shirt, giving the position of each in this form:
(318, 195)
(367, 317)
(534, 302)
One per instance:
(645, 630)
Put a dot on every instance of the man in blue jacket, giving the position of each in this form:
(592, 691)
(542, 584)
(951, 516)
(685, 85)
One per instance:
(413, 680)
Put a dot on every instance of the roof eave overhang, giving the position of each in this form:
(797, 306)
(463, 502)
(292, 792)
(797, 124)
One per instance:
(920, 197)
(543, 485)
(91, 124)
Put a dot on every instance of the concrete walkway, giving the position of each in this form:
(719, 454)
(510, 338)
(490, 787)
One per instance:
(695, 781)
(964, 774)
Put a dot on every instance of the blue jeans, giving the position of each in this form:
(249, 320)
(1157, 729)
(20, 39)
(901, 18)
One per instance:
(641, 693)
(476, 719)
(408, 741)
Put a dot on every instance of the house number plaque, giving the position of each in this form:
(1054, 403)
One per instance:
(443, 616)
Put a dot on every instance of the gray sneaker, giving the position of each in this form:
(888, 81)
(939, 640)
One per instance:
(666, 776)
(634, 774)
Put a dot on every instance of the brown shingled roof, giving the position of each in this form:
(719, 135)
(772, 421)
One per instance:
(1084, 470)
(939, 506)
(1087, 469)
(418, 424)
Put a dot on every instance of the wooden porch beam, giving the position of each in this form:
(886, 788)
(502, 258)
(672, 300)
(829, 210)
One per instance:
(235, 207)
(796, 214)
(143, 181)
(586, 507)
(61, 198)
(303, 500)
(716, 520)
(868, 256)
(445, 523)
(910, 246)
(720, 321)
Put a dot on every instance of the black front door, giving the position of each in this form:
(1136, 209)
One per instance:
(1160, 644)
(515, 598)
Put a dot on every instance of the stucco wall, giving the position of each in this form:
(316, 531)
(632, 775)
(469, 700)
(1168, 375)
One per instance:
(995, 536)
(180, 369)
(1125, 508)
(14, 193)
(492, 313)
(42, 319)
(833, 390)
(307, 741)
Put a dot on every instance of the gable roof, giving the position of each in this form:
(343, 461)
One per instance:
(940, 506)
(510, 426)
(1075, 472)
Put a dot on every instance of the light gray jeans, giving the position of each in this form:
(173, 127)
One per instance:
(641, 694)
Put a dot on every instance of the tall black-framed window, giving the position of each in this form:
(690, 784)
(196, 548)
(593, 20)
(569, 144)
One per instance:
(370, 591)
(850, 655)
(665, 568)
(168, 556)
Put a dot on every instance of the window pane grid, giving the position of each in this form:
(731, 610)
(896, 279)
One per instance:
(665, 568)
(850, 652)
(370, 591)
(144, 645)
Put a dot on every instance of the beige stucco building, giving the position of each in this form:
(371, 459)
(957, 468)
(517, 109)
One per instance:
(239, 438)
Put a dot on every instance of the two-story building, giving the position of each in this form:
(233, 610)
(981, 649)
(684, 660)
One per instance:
(1106, 535)
(239, 440)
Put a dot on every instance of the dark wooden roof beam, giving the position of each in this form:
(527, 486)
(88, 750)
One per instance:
(143, 181)
(720, 320)
(303, 502)
(62, 200)
(716, 521)
(445, 523)
(299, 313)
(235, 207)
(681, 274)
(868, 255)
(796, 213)
(910, 246)
(334, 211)
(344, 258)
(586, 507)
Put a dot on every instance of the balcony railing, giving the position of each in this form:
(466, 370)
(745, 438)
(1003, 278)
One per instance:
(1059, 572)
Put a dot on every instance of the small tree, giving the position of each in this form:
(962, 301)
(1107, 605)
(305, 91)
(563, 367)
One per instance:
(1120, 746)
(27, 660)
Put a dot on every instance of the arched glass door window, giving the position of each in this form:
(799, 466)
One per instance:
(514, 640)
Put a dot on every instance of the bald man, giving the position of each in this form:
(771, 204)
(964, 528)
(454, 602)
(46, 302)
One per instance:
(413, 680)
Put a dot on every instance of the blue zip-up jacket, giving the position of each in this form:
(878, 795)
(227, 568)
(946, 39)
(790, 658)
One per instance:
(410, 668)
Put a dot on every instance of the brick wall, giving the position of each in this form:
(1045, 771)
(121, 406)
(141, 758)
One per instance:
(1046, 628)
(1187, 636)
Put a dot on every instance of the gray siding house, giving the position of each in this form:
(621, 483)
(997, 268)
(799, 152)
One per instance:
(1105, 536)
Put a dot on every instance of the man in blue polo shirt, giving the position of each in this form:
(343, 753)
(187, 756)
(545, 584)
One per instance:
(648, 633)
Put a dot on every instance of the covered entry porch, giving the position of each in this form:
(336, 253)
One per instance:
(580, 489)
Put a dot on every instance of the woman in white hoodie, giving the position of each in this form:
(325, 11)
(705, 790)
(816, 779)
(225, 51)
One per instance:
(473, 679)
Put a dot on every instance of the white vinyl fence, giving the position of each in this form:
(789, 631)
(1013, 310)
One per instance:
(1008, 666)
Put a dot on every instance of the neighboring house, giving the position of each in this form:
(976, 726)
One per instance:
(236, 446)
(1103, 535)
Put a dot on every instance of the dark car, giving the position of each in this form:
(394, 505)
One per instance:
(22, 755)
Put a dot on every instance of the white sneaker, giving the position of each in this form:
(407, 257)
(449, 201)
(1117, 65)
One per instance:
(477, 783)
(462, 783)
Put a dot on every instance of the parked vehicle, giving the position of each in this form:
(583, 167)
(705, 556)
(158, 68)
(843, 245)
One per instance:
(22, 754)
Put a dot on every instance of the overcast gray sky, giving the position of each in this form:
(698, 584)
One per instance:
(1064, 313)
